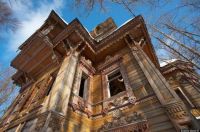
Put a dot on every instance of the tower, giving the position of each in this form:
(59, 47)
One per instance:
(105, 80)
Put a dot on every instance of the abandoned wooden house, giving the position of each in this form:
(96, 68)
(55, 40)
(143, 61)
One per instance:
(109, 79)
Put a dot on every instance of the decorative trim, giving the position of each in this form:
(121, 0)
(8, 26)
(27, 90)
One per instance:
(86, 63)
(135, 121)
(109, 64)
(176, 110)
(111, 106)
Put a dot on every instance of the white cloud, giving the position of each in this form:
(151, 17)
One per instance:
(31, 16)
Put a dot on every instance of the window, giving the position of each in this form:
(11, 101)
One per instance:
(114, 79)
(83, 85)
(116, 83)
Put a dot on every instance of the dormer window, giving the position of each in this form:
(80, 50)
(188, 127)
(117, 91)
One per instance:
(115, 83)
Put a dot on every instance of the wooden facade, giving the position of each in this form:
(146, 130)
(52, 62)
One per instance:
(106, 80)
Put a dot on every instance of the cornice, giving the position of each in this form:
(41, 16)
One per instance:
(115, 36)
(75, 26)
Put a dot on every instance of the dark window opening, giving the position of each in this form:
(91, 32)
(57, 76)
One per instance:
(82, 85)
(116, 83)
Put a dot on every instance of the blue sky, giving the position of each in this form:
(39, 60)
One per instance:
(32, 13)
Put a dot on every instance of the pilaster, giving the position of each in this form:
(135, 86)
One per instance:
(175, 108)
(62, 87)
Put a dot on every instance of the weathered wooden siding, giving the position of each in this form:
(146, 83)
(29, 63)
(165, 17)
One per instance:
(151, 107)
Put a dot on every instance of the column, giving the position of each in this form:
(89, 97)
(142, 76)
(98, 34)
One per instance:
(62, 87)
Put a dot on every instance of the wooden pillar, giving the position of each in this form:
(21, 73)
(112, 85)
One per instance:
(62, 87)
(58, 99)
(167, 97)
(156, 80)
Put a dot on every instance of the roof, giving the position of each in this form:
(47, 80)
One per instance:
(52, 14)
(95, 46)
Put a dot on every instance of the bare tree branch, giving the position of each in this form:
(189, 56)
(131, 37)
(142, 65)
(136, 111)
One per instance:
(6, 88)
(7, 19)
(179, 43)
(181, 32)
(162, 42)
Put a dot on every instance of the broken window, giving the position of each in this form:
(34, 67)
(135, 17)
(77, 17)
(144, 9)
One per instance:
(116, 83)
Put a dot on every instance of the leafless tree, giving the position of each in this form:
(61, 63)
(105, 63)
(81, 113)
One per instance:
(7, 19)
(183, 30)
(184, 38)
(7, 88)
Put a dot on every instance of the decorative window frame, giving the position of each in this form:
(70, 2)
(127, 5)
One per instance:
(85, 67)
(112, 64)
(86, 87)
(76, 101)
